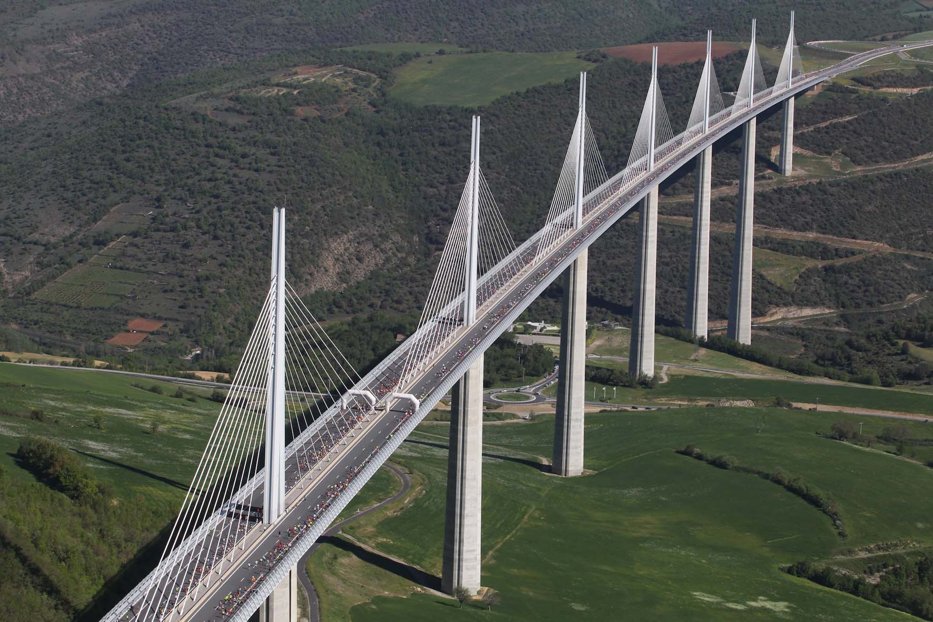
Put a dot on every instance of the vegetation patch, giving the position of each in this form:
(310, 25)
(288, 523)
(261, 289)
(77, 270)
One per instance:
(476, 79)
(902, 580)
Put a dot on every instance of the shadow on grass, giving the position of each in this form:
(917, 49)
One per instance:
(132, 469)
(544, 468)
(128, 577)
(405, 571)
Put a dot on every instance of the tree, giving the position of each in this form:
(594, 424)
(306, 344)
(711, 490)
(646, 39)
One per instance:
(97, 422)
(843, 431)
(490, 598)
(461, 594)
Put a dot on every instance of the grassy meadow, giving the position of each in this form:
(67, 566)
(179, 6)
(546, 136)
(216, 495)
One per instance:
(649, 535)
(477, 79)
(62, 559)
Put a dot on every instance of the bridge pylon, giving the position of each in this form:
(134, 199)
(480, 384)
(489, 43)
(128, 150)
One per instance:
(571, 380)
(462, 530)
(274, 489)
(697, 320)
(282, 604)
(641, 350)
(739, 325)
(789, 69)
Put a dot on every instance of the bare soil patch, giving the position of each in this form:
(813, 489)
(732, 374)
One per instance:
(211, 376)
(143, 325)
(127, 339)
(672, 52)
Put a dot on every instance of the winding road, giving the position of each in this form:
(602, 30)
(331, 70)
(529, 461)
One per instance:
(314, 603)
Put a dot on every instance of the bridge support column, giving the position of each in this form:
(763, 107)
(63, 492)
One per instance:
(461, 566)
(698, 287)
(641, 351)
(787, 138)
(740, 299)
(571, 379)
(282, 604)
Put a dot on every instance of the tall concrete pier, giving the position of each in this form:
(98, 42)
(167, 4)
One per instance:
(571, 382)
(641, 351)
(462, 546)
(698, 286)
(787, 138)
(282, 604)
(461, 564)
(740, 297)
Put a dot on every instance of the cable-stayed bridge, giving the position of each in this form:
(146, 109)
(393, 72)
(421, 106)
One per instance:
(300, 432)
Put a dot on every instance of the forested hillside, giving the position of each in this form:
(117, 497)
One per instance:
(56, 53)
(167, 189)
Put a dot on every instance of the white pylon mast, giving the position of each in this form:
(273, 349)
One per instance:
(751, 66)
(581, 146)
(469, 299)
(709, 80)
(653, 112)
(790, 52)
(274, 489)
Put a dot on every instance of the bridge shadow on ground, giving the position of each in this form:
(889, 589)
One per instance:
(138, 471)
(128, 577)
(400, 569)
(544, 468)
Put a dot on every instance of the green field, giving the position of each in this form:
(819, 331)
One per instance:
(651, 535)
(404, 47)
(779, 268)
(761, 391)
(688, 357)
(92, 285)
(57, 554)
(123, 448)
(919, 36)
(477, 79)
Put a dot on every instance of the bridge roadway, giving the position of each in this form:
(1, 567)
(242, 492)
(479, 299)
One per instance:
(264, 554)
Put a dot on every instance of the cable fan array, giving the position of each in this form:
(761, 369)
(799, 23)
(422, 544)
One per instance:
(753, 78)
(443, 313)
(223, 504)
(561, 214)
(791, 65)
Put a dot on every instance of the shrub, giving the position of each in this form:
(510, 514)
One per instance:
(56, 466)
(724, 462)
(843, 431)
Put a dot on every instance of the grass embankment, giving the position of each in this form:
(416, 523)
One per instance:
(477, 79)
(650, 534)
(136, 439)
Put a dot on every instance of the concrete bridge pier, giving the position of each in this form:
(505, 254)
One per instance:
(698, 286)
(787, 138)
(641, 351)
(740, 299)
(571, 379)
(462, 547)
(282, 604)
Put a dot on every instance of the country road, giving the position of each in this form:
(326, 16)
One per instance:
(314, 604)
